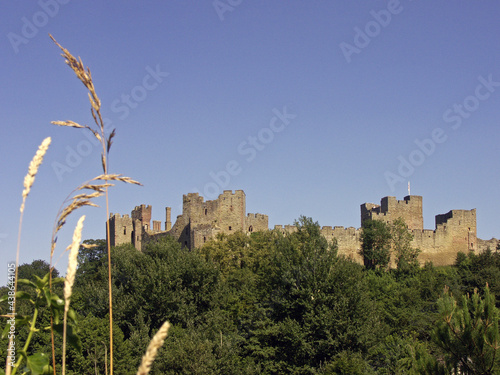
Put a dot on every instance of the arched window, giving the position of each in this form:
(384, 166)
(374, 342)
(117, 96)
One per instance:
(250, 229)
(230, 227)
(206, 211)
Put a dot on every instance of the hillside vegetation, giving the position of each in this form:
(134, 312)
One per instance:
(271, 303)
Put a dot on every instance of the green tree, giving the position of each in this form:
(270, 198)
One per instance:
(314, 305)
(91, 255)
(469, 333)
(406, 256)
(476, 270)
(227, 251)
(93, 357)
(376, 244)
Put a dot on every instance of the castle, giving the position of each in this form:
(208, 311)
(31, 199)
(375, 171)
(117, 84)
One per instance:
(202, 220)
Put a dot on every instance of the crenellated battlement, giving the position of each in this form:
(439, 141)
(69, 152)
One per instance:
(409, 209)
(202, 220)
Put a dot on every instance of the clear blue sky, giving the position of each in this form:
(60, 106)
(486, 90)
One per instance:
(317, 107)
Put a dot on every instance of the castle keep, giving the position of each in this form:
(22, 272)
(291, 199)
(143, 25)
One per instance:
(202, 220)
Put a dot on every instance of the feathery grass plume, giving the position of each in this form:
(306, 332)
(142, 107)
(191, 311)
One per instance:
(33, 169)
(80, 200)
(154, 345)
(73, 255)
(70, 279)
(29, 179)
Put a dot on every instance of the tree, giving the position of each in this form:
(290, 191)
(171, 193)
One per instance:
(469, 333)
(314, 305)
(376, 244)
(406, 255)
(227, 251)
(91, 255)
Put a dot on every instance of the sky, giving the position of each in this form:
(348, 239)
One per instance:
(312, 108)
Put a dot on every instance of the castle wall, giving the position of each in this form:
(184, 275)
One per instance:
(484, 245)
(231, 211)
(202, 220)
(390, 209)
(348, 241)
(256, 223)
(143, 214)
(201, 234)
(121, 229)
(137, 234)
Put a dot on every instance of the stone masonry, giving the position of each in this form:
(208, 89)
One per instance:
(202, 220)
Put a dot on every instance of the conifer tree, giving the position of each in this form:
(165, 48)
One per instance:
(469, 333)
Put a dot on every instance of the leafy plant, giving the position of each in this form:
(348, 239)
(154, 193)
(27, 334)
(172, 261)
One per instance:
(40, 296)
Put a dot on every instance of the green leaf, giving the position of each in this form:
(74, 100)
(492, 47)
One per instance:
(38, 363)
(23, 295)
(56, 301)
(58, 280)
(42, 283)
(71, 336)
(72, 315)
(26, 282)
(48, 296)
(20, 321)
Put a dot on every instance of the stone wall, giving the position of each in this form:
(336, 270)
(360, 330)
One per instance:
(121, 228)
(410, 209)
(202, 220)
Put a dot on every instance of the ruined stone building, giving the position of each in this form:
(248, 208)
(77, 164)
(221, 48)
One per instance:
(199, 222)
(202, 220)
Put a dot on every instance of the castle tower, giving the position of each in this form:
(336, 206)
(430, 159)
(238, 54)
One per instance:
(168, 222)
(390, 209)
(461, 228)
(143, 214)
(121, 229)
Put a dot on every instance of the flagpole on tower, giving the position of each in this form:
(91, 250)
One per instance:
(409, 188)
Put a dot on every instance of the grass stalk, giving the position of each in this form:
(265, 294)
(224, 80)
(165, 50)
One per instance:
(155, 344)
(70, 279)
(105, 140)
(29, 179)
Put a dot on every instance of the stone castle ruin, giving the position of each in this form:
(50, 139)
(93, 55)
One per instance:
(202, 220)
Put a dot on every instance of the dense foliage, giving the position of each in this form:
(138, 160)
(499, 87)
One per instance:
(271, 303)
